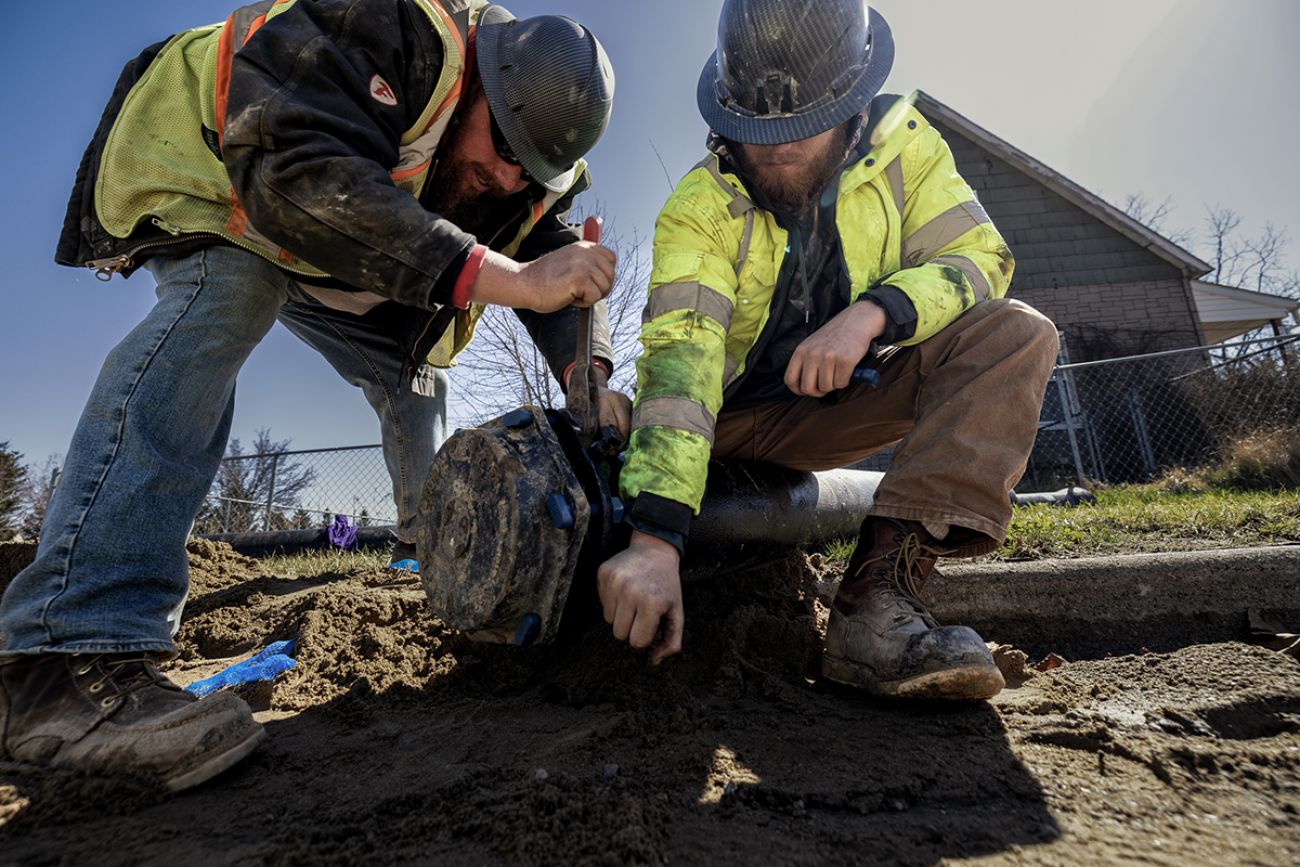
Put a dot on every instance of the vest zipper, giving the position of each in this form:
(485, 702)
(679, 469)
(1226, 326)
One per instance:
(105, 268)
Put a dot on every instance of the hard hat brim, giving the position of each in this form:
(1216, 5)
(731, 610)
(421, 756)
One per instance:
(491, 26)
(783, 128)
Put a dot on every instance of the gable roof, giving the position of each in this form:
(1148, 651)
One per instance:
(1142, 235)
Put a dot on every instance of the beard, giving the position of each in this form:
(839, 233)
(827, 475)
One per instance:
(790, 189)
(453, 197)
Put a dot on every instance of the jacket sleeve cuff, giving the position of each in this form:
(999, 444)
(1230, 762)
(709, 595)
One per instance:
(661, 517)
(900, 313)
(677, 540)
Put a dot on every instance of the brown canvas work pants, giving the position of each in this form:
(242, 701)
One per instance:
(963, 407)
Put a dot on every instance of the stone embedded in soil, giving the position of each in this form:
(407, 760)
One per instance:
(1012, 662)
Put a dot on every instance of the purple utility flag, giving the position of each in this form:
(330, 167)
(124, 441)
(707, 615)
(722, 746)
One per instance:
(342, 534)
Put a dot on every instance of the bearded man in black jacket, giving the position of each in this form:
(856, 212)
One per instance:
(370, 173)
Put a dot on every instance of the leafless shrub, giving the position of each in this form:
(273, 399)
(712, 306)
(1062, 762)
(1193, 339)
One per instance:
(1267, 460)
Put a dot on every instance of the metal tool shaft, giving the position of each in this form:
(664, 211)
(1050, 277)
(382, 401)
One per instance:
(583, 397)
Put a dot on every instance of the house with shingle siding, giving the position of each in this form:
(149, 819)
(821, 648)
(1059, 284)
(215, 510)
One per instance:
(1115, 288)
(1112, 285)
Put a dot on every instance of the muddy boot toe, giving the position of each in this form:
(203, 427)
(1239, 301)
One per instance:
(117, 714)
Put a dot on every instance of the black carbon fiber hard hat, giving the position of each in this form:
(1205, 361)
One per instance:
(550, 88)
(787, 70)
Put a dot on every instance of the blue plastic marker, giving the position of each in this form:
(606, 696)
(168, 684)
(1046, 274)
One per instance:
(266, 665)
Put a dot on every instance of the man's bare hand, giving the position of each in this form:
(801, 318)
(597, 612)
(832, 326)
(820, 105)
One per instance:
(641, 588)
(825, 361)
(580, 274)
(615, 406)
(616, 411)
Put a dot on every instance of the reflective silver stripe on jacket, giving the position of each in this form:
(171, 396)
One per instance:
(976, 277)
(729, 371)
(689, 296)
(681, 413)
(740, 205)
(894, 174)
(921, 245)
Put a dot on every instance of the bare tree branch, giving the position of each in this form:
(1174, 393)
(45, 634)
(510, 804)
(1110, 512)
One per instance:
(243, 484)
(1266, 255)
(502, 368)
(1221, 223)
(1154, 215)
(40, 487)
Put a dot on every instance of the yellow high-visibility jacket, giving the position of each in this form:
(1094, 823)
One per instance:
(905, 219)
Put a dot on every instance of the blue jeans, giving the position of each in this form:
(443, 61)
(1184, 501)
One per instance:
(111, 573)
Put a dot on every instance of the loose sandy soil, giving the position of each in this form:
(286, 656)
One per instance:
(392, 742)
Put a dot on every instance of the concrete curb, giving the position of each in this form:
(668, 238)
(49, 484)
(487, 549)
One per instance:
(1120, 604)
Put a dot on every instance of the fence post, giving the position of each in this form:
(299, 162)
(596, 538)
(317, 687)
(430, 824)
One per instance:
(270, 494)
(1139, 418)
(1282, 348)
(1069, 426)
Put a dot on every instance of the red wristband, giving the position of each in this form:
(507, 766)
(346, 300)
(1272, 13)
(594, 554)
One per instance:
(597, 362)
(468, 274)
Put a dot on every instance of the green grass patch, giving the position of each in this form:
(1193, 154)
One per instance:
(333, 560)
(1148, 518)
(1144, 519)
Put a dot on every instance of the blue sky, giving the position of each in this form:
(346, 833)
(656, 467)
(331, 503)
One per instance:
(1190, 99)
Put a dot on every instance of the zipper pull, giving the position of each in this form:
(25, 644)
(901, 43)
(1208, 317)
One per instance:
(105, 268)
(166, 227)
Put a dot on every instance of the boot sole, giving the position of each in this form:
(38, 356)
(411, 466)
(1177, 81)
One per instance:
(963, 683)
(214, 765)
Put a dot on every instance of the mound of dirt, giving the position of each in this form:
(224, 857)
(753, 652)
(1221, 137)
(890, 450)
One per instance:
(215, 566)
(394, 740)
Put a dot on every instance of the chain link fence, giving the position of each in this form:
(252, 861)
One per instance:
(298, 490)
(1131, 419)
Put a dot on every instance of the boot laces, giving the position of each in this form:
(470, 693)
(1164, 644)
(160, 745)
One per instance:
(903, 578)
(127, 673)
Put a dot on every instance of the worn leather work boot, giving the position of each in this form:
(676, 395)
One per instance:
(881, 638)
(117, 714)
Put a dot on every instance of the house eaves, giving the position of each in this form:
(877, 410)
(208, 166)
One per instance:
(1279, 304)
(1227, 312)
(1140, 234)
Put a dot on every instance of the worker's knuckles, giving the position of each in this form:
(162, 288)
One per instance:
(641, 637)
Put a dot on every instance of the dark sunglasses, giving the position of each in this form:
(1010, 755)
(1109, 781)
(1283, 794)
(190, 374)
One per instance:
(502, 147)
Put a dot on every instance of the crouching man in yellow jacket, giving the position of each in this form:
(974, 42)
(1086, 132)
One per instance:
(829, 221)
